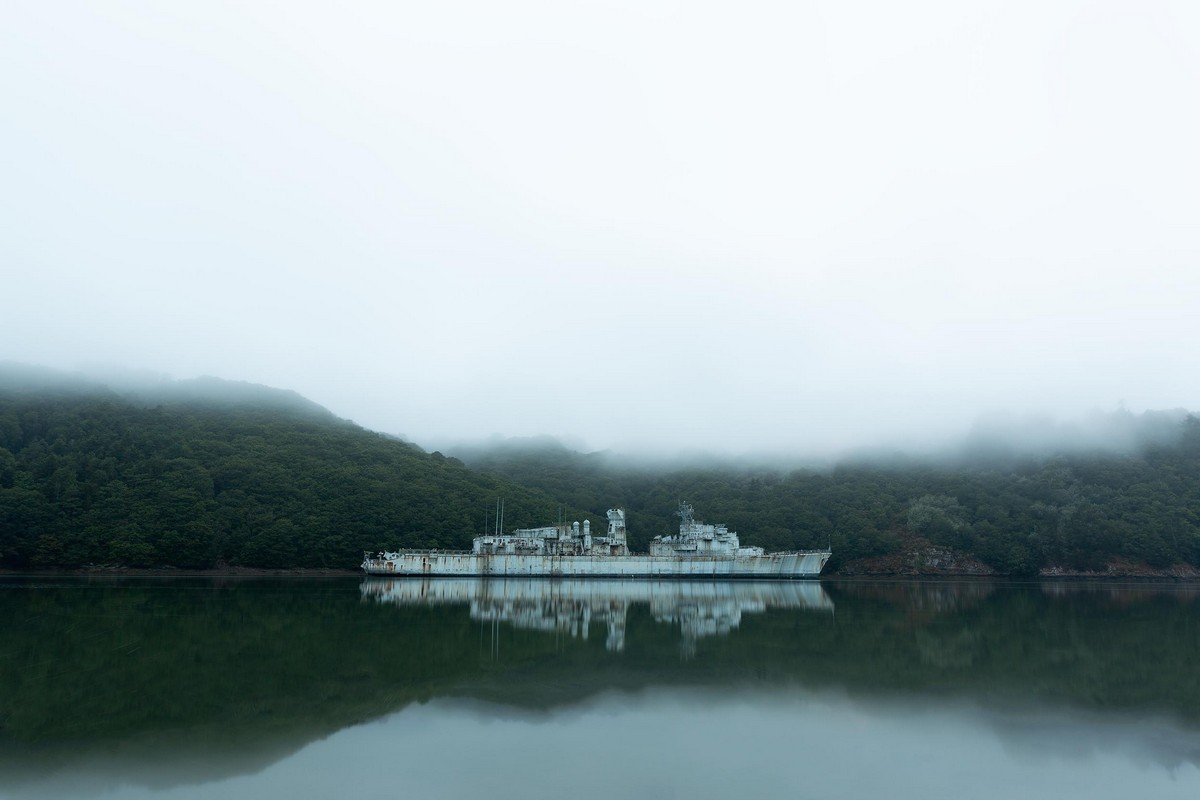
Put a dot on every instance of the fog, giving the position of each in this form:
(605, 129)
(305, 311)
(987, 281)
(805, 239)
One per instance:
(647, 226)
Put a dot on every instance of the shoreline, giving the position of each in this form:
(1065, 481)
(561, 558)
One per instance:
(177, 572)
(875, 577)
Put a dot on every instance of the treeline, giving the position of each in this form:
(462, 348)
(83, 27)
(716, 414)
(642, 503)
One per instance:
(95, 478)
(1076, 511)
(213, 473)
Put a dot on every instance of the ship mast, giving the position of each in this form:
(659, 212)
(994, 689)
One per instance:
(685, 514)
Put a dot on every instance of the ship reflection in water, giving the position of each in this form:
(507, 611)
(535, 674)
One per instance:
(699, 608)
(200, 689)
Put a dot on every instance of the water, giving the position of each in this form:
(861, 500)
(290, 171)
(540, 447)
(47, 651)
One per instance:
(189, 688)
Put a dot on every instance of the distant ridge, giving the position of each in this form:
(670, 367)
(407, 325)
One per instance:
(28, 379)
(206, 391)
(1118, 494)
(230, 395)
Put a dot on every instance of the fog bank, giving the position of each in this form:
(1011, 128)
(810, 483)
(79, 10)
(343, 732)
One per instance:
(805, 228)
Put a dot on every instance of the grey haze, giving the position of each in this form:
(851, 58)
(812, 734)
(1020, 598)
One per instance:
(780, 226)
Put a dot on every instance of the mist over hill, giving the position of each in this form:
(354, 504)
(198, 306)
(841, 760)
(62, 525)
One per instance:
(993, 439)
(1010, 499)
(153, 389)
(205, 472)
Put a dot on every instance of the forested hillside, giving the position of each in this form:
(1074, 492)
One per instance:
(1077, 511)
(205, 473)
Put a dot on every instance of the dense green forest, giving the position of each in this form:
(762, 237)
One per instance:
(218, 473)
(197, 474)
(1075, 511)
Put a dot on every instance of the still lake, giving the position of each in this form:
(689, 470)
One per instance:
(296, 688)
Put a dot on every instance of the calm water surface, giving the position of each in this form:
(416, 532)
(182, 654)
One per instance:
(188, 688)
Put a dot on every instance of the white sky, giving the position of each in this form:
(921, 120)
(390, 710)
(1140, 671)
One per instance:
(721, 225)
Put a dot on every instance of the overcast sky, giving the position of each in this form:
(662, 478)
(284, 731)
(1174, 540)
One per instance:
(667, 224)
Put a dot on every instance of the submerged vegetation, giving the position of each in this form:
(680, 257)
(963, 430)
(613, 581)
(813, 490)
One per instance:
(208, 473)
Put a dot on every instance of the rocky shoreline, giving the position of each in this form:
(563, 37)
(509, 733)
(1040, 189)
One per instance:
(925, 560)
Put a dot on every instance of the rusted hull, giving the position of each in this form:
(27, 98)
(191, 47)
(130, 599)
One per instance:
(771, 566)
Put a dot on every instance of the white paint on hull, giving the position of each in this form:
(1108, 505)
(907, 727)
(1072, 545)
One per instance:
(673, 594)
(429, 563)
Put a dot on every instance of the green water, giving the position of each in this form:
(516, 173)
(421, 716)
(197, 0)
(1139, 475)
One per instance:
(318, 687)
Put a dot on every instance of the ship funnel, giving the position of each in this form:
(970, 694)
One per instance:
(587, 527)
(575, 527)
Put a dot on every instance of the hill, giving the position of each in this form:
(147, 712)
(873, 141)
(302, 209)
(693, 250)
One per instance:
(197, 474)
(1128, 510)
(202, 473)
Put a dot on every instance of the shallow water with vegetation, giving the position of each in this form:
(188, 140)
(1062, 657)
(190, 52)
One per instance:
(197, 688)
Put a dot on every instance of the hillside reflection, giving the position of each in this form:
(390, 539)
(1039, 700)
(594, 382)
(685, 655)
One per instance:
(166, 682)
(569, 607)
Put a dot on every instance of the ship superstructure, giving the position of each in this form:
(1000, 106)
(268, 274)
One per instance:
(561, 540)
(698, 551)
(698, 539)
